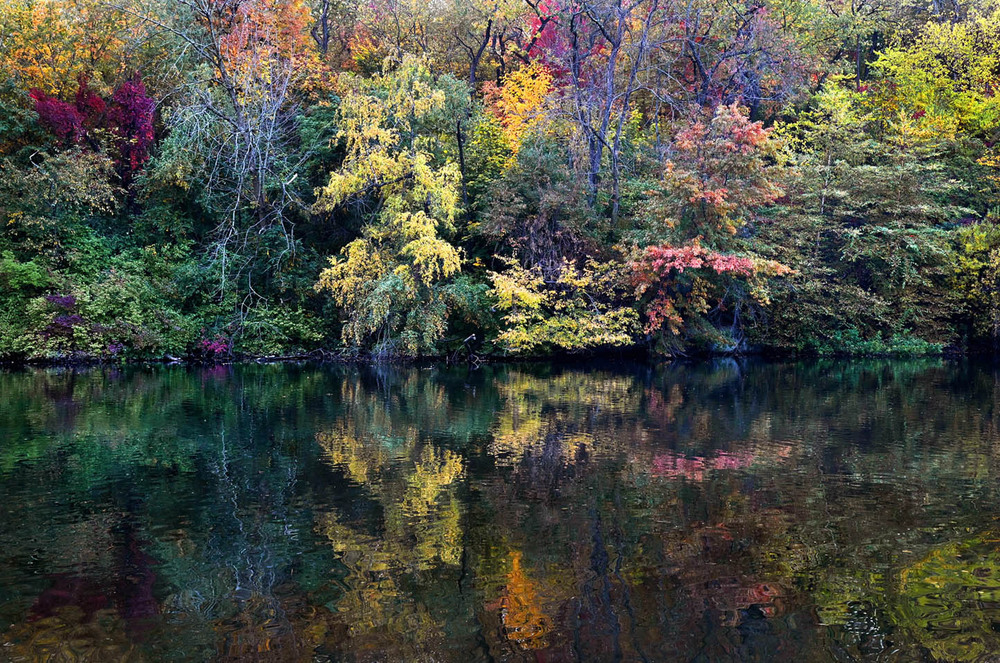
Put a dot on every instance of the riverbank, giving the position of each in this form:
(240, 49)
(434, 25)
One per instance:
(343, 356)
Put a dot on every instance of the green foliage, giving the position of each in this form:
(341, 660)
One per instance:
(868, 230)
(132, 308)
(851, 342)
(537, 209)
(977, 280)
(19, 130)
(488, 157)
(318, 140)
(936, 589)
(273, 331)
(19, 278)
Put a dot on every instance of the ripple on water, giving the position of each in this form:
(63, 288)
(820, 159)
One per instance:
(741, 511)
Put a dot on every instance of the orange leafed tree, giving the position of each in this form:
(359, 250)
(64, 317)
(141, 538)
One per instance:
(49, 44)
(519, 103)
(267, 42)
(722, 170)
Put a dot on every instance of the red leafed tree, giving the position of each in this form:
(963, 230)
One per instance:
(90, 105)
(61, 118)
(128, 117)
(692, 292)
(131, 120)
(722, 171)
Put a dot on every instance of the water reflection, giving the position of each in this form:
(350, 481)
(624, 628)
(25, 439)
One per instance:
(732, 511)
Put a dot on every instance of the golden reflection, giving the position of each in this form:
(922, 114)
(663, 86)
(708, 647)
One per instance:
(524, 620)
(359, 460)
(289, 631)
(415, 484)
(69, 634)
(559, 414)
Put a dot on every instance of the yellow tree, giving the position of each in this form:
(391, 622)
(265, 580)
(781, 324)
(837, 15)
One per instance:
(944, 82)
(49, 44)
(390, 281)
(519, 104)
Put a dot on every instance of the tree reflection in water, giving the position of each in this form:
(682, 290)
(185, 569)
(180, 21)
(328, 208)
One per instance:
(726, 511)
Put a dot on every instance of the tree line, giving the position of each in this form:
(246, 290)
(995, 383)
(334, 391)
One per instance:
(212, 178)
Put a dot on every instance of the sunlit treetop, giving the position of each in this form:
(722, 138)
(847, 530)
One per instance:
(48, 44)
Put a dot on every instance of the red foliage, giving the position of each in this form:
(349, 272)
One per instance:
(658, 261)
(721, 172)
(659, 270)
(131, 119)
(547, 38)
(90, 106)
(61, 118)
(128, 116)
(551, 42)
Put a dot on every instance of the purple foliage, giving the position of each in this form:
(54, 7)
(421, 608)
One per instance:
(62, 325)
(62, 301)
(71, 320)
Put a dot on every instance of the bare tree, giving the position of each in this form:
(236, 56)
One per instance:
(609, 43)
(233, 120)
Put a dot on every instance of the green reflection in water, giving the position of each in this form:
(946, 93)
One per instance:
(726, 511)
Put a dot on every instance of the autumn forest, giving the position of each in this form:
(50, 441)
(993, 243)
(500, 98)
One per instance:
(209, 179)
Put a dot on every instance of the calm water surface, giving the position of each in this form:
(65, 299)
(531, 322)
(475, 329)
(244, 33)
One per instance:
(825, 511)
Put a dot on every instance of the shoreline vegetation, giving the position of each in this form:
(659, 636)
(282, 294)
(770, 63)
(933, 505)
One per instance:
(635, 354)
(210, 181)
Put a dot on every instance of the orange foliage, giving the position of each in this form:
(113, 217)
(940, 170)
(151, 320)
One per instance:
(49, 44)
(268, 40)
(721, 170)
(519, 104)
(524, 620)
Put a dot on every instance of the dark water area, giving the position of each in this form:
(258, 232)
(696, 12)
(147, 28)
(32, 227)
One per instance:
(727, 511)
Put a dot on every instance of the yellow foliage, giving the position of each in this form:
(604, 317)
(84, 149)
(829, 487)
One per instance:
(519, 287)
(415, 484)
(942, 83)
(389, 278)
(992, 161)
(50, 44)
(432, 258)
(519, 104)
(359, 264)
(574, 309)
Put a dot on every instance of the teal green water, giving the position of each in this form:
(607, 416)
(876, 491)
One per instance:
(824, 511)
